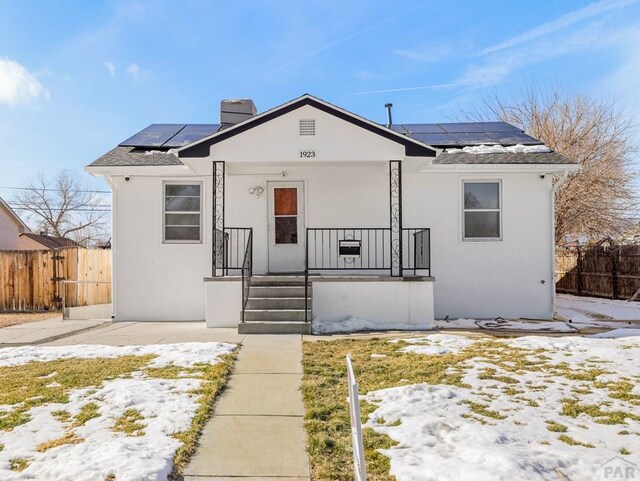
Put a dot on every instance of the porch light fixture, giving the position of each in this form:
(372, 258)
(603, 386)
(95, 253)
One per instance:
(257, 190)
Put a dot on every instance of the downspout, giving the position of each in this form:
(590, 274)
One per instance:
(554, 188)
(114, 244)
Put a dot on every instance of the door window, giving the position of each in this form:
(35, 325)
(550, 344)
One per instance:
(285, 202)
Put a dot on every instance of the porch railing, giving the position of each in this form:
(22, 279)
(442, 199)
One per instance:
(366, 249)
(230, 246)
(247, 272)
(233, 255)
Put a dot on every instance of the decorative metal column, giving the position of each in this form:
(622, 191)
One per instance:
(395, 213)
(218, 241)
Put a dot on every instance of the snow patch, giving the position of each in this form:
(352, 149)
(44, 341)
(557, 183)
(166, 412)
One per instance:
(167, 405)
(441, 438)
(183, 355)
(617, 333)
(436, 344)
(501, 149)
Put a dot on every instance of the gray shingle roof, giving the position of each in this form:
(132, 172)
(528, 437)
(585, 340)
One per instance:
(131, 157)
(502, 158)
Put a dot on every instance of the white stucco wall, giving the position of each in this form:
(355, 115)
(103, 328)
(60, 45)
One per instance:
(156, 281)
(381, 302)
(486, 279)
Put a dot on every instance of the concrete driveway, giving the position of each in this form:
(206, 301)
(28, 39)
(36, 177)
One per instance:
(140, 333)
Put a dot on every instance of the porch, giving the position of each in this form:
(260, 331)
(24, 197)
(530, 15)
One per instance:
(382, 274)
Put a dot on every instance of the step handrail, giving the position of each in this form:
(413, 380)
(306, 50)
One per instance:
(247, 272)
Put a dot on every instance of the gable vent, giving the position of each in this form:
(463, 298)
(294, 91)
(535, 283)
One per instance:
(308, 127)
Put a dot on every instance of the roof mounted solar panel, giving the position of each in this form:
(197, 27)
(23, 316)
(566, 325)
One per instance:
(153, 136)
(473, 138)
(190, 133)
(499, 127)
(398, 128)
(435, 139)
(512, 138)
(423, 128)
(467, 127)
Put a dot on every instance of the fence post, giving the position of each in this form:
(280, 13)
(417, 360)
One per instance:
(579, 272)
(356, 425)
(614, 272)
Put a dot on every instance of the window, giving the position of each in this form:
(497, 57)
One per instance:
(182, 213)
(481, 210)
(286, 214)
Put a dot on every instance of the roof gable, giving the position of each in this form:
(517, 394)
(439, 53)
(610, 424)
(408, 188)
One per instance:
(202, 147)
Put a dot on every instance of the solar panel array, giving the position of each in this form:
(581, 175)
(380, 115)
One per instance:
(461, 134)
(170, 135)
(438, 135)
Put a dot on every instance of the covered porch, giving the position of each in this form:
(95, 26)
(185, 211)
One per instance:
(289, 264)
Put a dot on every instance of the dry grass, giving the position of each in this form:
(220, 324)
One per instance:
(28, 385)
(215, 378)
(324, 390)
(130, 423)
(69, 438)
(14, 318)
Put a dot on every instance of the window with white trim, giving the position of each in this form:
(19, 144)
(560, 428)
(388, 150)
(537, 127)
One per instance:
(182, 212)
(481, 212)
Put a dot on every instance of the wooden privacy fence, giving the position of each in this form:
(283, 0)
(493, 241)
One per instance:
(603, 270)
(33, 280)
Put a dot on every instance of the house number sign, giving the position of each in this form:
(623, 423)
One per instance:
(308, 154)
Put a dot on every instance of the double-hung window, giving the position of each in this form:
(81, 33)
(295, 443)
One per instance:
(481, 215)
(182, 212)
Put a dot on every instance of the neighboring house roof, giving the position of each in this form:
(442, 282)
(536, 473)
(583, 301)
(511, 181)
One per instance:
(13, 215)
(51, 242)
(153, 146)
(502, 158)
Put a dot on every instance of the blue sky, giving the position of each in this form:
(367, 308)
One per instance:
(76, 78)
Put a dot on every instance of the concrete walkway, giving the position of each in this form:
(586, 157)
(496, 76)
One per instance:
(257, 429)
(49, 330)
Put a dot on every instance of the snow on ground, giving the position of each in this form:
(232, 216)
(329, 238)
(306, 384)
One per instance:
(435, 344)
(585, 309)
(167, 405)
(501, 149)
(443, 437)
(183, 355)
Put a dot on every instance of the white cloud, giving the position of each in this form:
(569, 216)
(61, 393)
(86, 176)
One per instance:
(422, 87)
(18, 86)
(111, 68)
(134, 70)
(426, 53)
(590, 11)
(368, 75)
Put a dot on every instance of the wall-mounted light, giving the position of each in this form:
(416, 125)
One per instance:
(257, 190)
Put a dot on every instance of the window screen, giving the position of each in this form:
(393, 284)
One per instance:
(481, 210)
(182, 213)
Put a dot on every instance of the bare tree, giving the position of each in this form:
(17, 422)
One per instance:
(64, 207)
(599, 200)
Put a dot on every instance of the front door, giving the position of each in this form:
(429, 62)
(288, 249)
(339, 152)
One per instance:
(286, 226)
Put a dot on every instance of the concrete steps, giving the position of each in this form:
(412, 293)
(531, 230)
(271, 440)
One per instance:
(276, 306)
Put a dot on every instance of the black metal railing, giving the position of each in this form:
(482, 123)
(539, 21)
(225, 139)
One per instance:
(247, 271)
(367, 249)
(233, 245)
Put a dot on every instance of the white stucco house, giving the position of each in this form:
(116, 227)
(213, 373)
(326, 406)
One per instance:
(308, 211)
